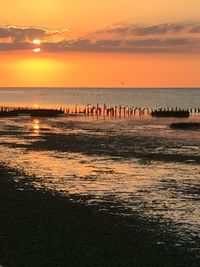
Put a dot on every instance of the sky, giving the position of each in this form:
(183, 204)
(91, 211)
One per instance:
(131, 43)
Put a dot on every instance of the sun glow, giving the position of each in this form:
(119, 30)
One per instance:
(36, 50)
(39, 69)
(37, 42)
(35, 106)
(37, 65)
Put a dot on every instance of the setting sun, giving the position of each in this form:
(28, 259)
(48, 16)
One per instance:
(36, 50)
(37, 42)
(99, 133)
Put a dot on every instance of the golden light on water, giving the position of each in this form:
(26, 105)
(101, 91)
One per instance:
(36, 126)
(36, 121)
(35, 106)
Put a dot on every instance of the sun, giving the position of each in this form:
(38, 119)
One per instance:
(37, 42)
(36, 50)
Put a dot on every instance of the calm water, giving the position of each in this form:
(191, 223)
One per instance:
(126, 166)
(151, 98)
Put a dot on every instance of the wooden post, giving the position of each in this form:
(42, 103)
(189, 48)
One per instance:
(104, 110)
(124, 111)
(120, 111)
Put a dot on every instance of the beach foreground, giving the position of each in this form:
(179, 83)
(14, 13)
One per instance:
(42, 228)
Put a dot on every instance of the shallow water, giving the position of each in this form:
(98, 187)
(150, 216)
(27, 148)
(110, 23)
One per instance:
(126, 166)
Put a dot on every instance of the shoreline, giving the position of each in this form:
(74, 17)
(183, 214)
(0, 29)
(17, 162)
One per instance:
(41, 228)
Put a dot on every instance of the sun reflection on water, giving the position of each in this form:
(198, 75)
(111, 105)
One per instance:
(36, 126)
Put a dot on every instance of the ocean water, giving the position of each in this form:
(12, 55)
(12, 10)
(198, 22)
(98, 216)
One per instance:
(127, 166)
(151, 98)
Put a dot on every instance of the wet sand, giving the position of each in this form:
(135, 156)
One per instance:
(140, 147)
(42, 228)
(186, 126)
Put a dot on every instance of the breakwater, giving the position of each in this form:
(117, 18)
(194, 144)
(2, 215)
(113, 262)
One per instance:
(99, 111)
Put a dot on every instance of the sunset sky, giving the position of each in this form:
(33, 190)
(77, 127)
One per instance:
(132, 43)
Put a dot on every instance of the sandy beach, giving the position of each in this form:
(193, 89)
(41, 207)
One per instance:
(41, 228)
(88, 192)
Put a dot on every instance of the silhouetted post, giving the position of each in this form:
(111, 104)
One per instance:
(124, 108)
(120, 111)
(88, 110)
(104, 110)
(115, 111)
(140, 112)
(76, 109)
(97, 111)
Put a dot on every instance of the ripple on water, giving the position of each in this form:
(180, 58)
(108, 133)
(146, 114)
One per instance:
(168, 191)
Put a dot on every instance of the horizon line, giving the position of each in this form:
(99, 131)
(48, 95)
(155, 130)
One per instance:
(98, 87)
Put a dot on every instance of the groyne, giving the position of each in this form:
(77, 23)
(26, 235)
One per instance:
(99, 111)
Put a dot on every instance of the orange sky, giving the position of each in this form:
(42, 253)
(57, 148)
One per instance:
(100, 43)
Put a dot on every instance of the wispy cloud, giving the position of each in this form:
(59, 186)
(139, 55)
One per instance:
(19, 34)
(157, 29)
(125, 46)
(169, 37)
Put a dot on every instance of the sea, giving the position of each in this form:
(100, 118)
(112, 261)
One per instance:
(127, 166)
(141, 97)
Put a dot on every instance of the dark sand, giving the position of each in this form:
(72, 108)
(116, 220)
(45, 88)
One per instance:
(40, 228)
(186, 125)
(122, 146)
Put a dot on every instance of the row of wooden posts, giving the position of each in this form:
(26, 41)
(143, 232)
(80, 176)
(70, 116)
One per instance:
(119, 111)
(107, 111)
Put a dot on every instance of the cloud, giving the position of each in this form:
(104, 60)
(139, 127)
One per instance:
(160, 38)
(171, 42)
(15, 46)
(157, 29)
(194, 29)
(142, 45)
(19, 34)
